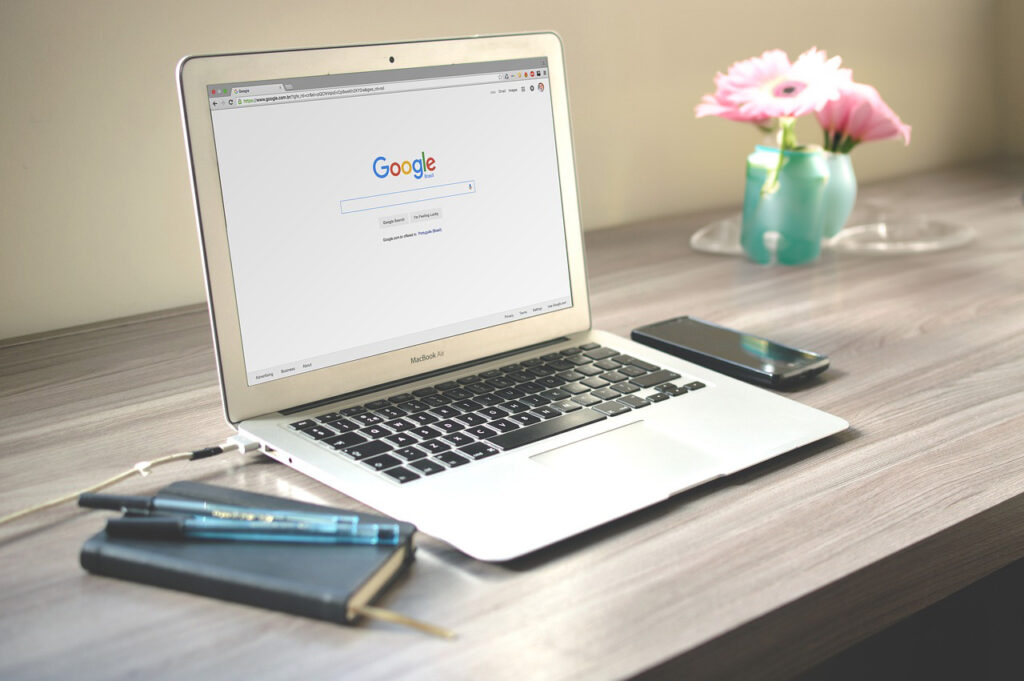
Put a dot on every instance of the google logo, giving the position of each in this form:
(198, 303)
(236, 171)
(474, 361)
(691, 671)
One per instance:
(416, 167)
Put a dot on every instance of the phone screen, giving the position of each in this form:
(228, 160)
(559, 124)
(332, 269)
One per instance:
(732, 346)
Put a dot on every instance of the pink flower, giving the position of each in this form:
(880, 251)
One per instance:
(859, 115)
(770, 87)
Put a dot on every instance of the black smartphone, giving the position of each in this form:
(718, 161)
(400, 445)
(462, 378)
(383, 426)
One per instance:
(734, 353)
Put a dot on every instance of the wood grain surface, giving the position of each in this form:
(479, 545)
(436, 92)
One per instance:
(760, 574)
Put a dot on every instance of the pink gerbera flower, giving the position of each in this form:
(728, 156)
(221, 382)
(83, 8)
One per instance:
(859, 115)
(770, 87)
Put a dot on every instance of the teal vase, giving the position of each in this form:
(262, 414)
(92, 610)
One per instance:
(840, 193)
(785, 225)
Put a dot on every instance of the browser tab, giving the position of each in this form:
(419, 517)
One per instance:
(257, 89)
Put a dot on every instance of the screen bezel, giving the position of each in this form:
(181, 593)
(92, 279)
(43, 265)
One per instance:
(241, 400)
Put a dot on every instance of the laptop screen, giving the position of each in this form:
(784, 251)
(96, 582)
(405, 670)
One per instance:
(369, 212)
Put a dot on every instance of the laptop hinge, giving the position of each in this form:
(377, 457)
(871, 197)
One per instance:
(419, 377)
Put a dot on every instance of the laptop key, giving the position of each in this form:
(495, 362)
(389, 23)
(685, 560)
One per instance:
(634, 401)
(318, 432)
(375, 431)
(646, 366)
(352, 411)
(400, 397)
(482, 432)
(607, 364)
(458, 439)
(565, 405)
(479, 388)
(578, 360)
(530, 387)
(556, 394)
(303, 424)
(451, 459)
(545, 429)
(427, 467)
(600, 353)
(570, 351)
(491, 373)
(438, 400)
(493, 412)
(546, 412)
(471, 419)
(401, 439)
(489, 400)
(575, 388)
(589, 370)
(369, 449)
(551, 356)
(458, 394)
(344, 425)
(500, 383)
(425, 432)
(503, 425)
(447, 411)
(653, 379)
(515, 406)
(467, 405)
(412, 453)
(614, 377)
(391, 412)
(657, 397)
(479, 450)
(606, 393)
(400, 424)
(509, 393)
(611, 408)
(535, 400)
(696, 385)
(345, 440)
(631, 371)
(550, 381)
(377, 404)
(587, 400)
(466, 380)
(589, 346)
(381, 462)
(436, 446)
(594, 382)
(402, 474)
(414, 405)
(449, 425)
(671, 389)
(423, 392)
(528, 419)
(423, 418)
(625, 388)
(367, 419)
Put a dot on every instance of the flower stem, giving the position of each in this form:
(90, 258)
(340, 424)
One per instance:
(787, 141)
(848, 144)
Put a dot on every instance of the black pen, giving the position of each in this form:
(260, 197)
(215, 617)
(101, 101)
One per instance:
(129, 503)
(220, 529)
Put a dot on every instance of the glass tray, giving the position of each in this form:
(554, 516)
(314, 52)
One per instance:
(882, 236)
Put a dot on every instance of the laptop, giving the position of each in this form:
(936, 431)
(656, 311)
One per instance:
(395, 271)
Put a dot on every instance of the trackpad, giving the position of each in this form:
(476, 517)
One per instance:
(634, 456)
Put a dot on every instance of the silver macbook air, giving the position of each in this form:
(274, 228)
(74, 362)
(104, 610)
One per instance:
(394, 264)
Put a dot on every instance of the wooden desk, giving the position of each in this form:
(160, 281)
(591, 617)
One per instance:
(763, 573)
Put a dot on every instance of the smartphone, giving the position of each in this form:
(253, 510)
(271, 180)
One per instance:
(734, 353)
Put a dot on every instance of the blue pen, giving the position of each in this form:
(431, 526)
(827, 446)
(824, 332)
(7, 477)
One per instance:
(219, 529)
(127, 503)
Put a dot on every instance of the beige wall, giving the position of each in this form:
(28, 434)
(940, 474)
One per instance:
(96, 214)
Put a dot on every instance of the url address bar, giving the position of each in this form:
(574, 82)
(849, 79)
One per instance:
(360, 90)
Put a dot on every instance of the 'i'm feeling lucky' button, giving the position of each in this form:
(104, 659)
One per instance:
(426, 214)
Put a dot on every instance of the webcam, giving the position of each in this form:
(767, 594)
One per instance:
(391, 59)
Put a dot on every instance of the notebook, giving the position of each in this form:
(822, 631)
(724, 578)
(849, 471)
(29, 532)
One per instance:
(329, 582)
(395, 272)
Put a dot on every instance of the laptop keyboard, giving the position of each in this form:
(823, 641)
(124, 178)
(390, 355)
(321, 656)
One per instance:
(454, 423)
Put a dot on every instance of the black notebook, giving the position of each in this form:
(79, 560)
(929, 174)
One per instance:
(330, 582)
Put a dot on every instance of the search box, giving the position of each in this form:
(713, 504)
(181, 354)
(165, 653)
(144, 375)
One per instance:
(401, 198)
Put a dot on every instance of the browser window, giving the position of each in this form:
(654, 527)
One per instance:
(366, 215)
